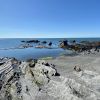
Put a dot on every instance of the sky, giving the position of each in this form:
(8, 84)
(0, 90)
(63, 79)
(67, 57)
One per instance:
(49, 18)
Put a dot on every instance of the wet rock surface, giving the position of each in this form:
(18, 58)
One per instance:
(39, 80)
(31, 41)
(80, 46)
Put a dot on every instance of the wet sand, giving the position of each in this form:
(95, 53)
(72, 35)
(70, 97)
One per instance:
(65, 64)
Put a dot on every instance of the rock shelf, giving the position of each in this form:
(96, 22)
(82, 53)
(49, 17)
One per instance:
(39, 80)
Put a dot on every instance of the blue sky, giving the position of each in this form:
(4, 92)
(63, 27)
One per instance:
(49, 18)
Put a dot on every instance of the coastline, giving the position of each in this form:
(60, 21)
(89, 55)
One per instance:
(85, 61)
(49, 78)
(72, 74)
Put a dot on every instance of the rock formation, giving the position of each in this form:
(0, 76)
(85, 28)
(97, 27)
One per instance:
(39, 80)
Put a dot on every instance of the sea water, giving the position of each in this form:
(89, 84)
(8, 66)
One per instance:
(33, 52)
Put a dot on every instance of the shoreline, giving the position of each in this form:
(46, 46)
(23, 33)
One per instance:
(54, 76)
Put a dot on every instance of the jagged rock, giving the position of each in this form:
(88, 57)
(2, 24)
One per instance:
(77, 68)
(63, 43)
(50, 44)
(57, 74)
(20, 81)
(32, 62)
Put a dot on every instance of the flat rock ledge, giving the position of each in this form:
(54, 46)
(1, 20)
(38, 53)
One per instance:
(39, 80)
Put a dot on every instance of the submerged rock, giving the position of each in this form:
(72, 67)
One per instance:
(44, 42)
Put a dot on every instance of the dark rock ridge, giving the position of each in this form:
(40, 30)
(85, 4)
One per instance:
(31, 41)
(80, 47)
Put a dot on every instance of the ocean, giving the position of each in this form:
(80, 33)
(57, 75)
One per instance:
(32, 52)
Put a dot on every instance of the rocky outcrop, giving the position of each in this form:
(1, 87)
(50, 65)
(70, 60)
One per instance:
(31, 41)
(50, 44)
(63, 44)
(39, 80)
(19, 80)
(80, 46)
